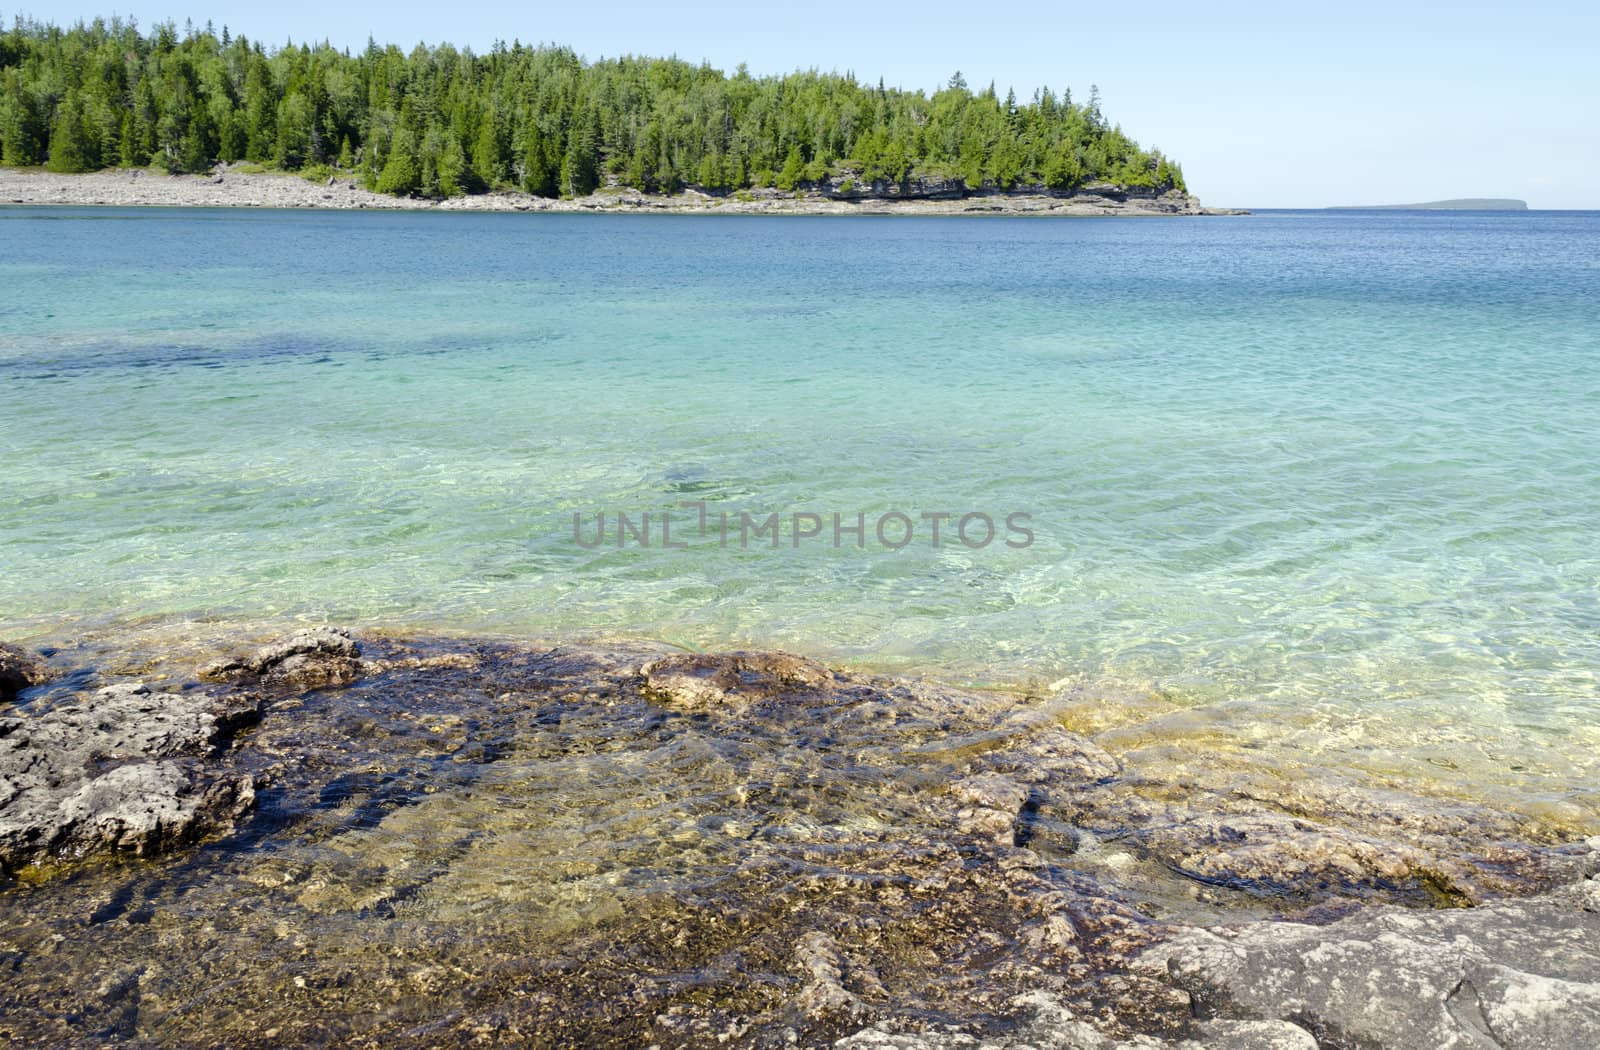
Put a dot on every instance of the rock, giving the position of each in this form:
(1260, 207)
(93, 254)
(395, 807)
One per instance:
(623, 845)
(1272, 855)
(1250, 1035)
(19, 670)
(122, 768)
(312, 658)
(931, 195)
(1050, 755)
(709, 682)
(1519, 975)
(146, 806)
(824, 996)
(990, 807)
(1043, 1021)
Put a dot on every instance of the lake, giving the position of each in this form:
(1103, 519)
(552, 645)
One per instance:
(1320, 487)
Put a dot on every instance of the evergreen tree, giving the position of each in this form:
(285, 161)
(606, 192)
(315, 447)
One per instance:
(488, 158)
(793, 169)
(21, 130)
(402, 173)
(296, 119)
(71, 148)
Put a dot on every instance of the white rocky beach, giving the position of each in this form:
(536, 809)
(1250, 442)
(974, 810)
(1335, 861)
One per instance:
(230, 186)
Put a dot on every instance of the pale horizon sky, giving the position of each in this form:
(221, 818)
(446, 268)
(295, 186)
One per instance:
(1367, 103)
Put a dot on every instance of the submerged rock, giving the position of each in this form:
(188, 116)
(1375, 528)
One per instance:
(618, 845)
(990, 806)
(122, 768)
(311, 658)
(722, 681)
(19, 670)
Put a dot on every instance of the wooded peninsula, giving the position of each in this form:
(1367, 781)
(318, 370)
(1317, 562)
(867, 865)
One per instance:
(441, 122)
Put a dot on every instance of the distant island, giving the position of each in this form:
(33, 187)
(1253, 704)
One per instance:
(1459, 204)
(436, 123)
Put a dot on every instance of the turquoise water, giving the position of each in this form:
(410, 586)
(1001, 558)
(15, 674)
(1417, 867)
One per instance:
(1320, 484)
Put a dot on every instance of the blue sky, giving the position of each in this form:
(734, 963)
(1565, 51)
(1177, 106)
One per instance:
(1345, 104)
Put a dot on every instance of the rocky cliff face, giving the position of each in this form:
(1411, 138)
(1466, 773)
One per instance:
(848, 187)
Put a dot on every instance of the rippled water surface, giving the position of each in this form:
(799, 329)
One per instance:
(1320, 486)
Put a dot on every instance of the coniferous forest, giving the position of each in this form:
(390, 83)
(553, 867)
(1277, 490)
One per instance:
(439, 121)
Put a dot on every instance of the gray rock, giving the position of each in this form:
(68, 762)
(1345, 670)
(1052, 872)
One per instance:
(122, 769)
(19, 670)
(1044, 1022)
(1517, 975)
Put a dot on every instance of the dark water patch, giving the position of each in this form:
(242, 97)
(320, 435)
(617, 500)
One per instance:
(48, 363)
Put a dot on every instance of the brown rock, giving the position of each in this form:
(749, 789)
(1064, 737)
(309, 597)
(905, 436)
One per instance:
(19, 670)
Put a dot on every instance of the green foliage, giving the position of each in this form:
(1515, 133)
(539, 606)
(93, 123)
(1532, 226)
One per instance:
(402, 173)
(296, 130)
(440, 121)
(454, 175)
(1062, 169)
(72, 147)
(793, 170)
(488, 153)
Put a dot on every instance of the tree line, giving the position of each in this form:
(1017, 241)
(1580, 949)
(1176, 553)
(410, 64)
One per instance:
(440, 122)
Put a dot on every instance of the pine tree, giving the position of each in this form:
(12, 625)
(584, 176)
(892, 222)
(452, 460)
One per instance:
(21, 142)
(71, 148)
(402, 174)
(296, 121)
(454, 174)
(486, 154)
(793, 168)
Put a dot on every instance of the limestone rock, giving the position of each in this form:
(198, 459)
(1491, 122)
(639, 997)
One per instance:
(1519, 974)
(1271, 855)
(1045, 1022)
(122, 768)
(824, 995)
(710, 682)
(990, 806)
(308, 659)
(1050, 755)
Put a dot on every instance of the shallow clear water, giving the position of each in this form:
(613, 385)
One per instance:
(1320, 484)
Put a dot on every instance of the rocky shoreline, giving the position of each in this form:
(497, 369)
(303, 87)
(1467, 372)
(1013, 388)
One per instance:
(421, 841)
(230, 187)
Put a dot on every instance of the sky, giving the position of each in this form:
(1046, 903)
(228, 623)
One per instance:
(1351, 103)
